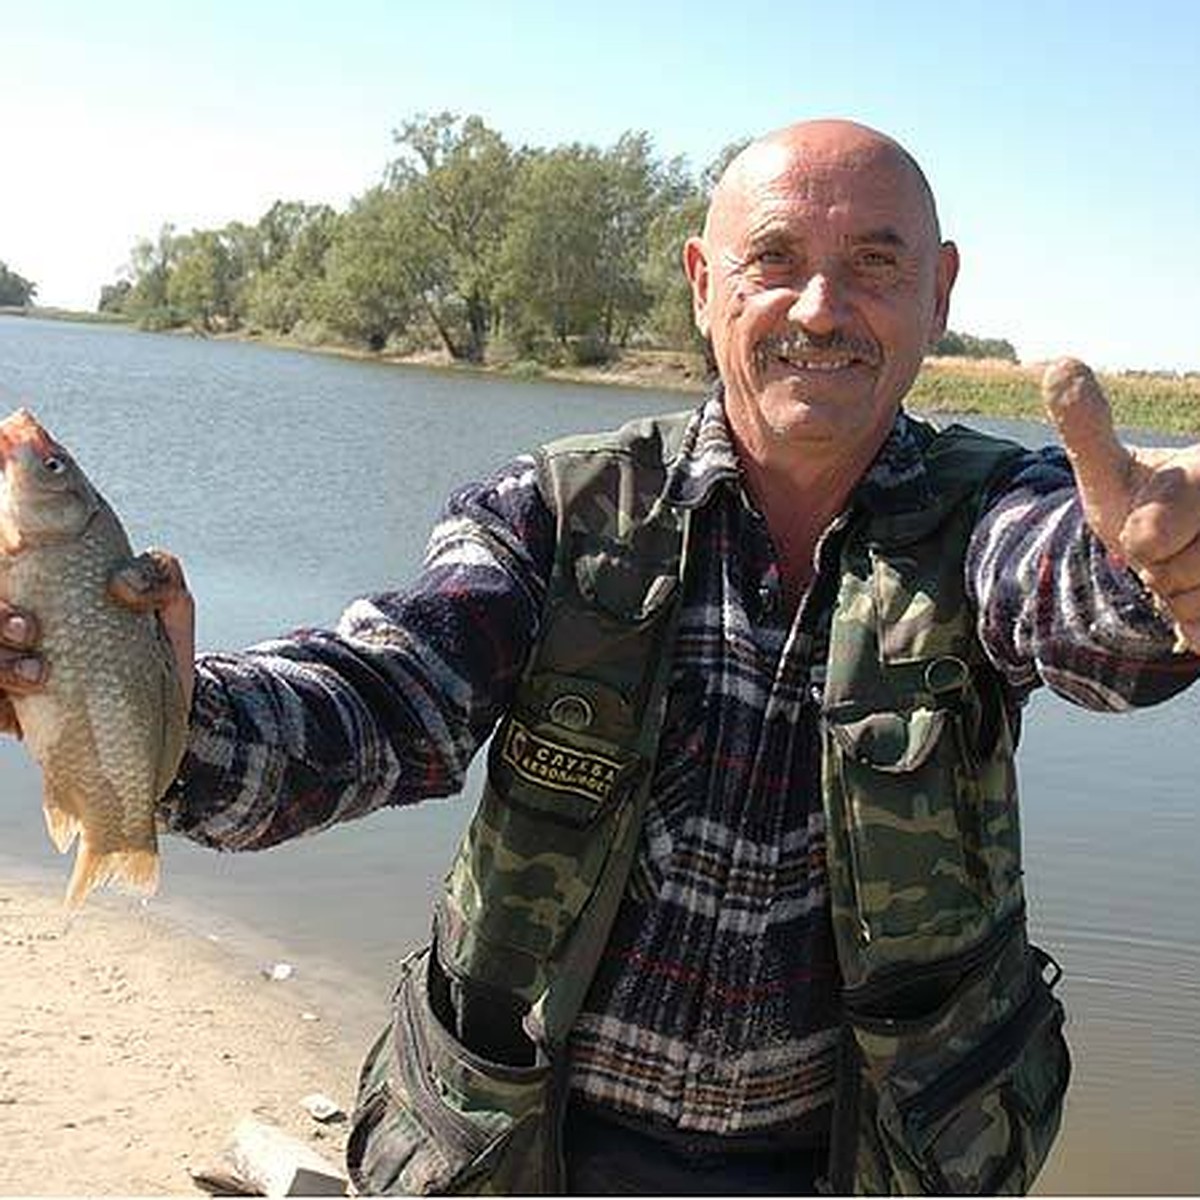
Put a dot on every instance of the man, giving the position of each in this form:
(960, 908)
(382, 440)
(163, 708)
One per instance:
(740, 910)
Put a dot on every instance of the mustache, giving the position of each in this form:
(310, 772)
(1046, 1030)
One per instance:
(797, 343)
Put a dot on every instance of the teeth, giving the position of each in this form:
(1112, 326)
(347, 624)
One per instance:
(818, 364)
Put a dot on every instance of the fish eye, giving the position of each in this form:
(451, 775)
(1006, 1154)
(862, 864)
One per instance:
(54, 465)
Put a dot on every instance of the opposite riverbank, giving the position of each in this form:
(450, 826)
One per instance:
(990, 388)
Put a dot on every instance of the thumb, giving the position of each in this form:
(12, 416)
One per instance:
(154, 582)
(1104, 469)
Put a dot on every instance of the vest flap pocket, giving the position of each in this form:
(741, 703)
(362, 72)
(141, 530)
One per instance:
(628, 587)
(892, 742)
(904, 821)
(910, 594)
(534, 851)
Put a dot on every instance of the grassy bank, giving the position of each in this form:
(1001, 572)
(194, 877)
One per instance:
(63, 314)
(1167, 403)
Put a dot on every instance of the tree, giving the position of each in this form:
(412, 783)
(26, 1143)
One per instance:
(456, 176)
(15, 291)
(150, 268)
(291, 243)
(551, 284)
(572, 263)
(967, 345)
(367, 294)
(201, 287)
(631, 183)
(683, 204)
(280, 228)
(670, 318)
(115, 296)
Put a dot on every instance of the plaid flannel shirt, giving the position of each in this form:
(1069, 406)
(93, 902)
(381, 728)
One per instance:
(714, 1008)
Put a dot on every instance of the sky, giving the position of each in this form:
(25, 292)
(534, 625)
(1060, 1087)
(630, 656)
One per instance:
(1062, 139)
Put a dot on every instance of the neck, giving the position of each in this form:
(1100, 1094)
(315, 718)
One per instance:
(800, 494)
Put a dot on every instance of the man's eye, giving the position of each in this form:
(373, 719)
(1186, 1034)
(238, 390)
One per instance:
(771, 260)
(876, 260)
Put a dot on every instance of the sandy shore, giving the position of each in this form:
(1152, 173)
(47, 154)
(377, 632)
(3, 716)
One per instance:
(131, 1049)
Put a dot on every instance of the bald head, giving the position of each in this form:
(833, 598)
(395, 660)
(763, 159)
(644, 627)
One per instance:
(792, 153)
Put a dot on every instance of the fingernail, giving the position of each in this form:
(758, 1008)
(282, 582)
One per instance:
(16, 629)
(134, 579)
(28, 669)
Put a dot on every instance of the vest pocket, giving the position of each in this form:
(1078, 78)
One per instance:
(433, 1118)
(947, 1109)
(909, 825)
(538, 842)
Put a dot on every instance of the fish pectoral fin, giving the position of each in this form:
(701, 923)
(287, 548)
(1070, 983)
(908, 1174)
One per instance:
(62, 818)
(136, 870)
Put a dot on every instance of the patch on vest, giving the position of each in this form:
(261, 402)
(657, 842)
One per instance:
(562, 768)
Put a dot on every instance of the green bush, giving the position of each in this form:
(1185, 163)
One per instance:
(590, 351)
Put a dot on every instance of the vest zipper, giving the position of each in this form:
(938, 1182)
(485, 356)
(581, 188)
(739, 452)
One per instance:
(977, 1070)
(858, 1001)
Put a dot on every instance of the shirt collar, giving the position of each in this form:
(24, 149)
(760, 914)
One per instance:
(707, 460)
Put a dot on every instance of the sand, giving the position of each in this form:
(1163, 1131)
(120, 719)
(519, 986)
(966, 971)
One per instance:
(131, 1048)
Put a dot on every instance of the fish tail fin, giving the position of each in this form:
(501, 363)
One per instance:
(136, 870)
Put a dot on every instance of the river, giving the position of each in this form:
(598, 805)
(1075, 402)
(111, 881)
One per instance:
(289, 482)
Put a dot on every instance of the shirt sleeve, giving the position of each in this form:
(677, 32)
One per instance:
(1055, 608)
(297, 734)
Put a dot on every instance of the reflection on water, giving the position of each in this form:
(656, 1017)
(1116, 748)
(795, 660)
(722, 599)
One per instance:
(290, 482)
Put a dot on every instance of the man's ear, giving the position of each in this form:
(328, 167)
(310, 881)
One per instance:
(695, 266)
(947, 273)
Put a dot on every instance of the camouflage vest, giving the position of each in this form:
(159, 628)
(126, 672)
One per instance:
(953, 1066)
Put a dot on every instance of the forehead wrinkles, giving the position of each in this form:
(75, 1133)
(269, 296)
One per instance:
(777, 214)
(857, 189)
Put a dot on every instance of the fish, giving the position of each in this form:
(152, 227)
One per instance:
(108, 727)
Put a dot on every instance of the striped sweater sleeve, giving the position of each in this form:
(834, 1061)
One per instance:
(300, 733)
(1055, 608)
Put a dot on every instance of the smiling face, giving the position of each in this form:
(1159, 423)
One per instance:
(821, 282)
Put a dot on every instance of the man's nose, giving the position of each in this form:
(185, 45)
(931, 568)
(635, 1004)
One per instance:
(818, 304)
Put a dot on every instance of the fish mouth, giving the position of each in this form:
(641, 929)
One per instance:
(21, 429)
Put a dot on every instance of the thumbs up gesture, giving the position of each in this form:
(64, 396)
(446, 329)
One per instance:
(1143, 504)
